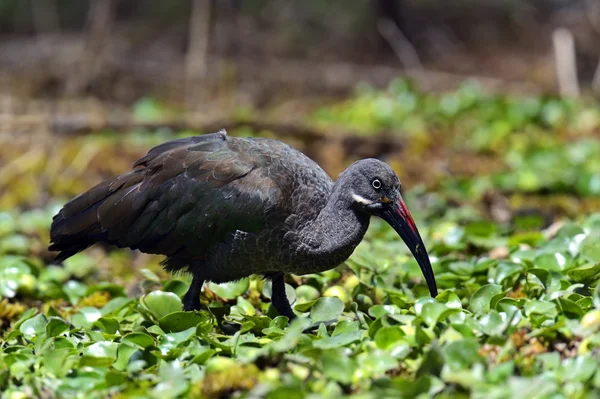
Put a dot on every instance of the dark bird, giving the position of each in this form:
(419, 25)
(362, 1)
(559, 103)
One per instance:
(223, 208)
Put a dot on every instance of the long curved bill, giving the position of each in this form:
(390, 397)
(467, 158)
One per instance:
(399, 218)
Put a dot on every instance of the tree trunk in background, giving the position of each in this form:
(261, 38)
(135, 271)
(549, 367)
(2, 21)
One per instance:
(198, 46)
(99, 25)
(390, 10)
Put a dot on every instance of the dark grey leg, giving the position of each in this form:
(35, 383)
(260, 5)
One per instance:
(278, 297)
(191, 299)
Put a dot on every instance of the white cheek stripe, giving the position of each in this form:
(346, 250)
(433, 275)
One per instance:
(361, 200)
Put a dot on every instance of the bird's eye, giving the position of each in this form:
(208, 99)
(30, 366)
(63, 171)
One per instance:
(376, 184)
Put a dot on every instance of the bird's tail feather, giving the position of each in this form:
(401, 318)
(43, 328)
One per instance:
(76, 226)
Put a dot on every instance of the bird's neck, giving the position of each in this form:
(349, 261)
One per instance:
(337, 230)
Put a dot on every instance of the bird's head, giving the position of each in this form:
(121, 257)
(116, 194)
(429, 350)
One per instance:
(375, 189)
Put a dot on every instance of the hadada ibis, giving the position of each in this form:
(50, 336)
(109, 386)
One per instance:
(223, 208)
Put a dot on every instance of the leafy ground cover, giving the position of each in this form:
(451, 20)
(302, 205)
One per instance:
(518, 314)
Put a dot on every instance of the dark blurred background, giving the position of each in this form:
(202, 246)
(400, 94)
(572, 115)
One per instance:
(188, 51)
(86, 86)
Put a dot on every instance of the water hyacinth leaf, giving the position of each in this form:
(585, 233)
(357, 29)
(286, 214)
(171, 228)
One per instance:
(100, 354)
(115, 305)
(326, 309)
(337, 365)
(80, 265)
(590, 248)
(462, 354)
(232, 289)
(432, 363)
(493, 323)
(377, 363)
(61, 361)
(13, 270)
(115, 290)
(542, 275)
(482, 298)
(56, 326)
(450, 299)
(586, 273)
(33, 327)
(138, 339)
(434, 312)
(179, 321)
(177, 287)
(74, 291)
(160, 303)
(388, 336)
(569, 308)
(107, 324)
(339, 340)
(86, 317)
(580, 368)
(305, 307)
(507, 270)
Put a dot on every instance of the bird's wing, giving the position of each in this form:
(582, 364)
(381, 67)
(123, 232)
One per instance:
(184, 195)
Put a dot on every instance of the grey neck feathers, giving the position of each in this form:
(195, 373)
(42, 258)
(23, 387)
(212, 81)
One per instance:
(339, 228)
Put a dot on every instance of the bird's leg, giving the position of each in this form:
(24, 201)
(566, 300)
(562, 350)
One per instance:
(191, 299)
(279, 298)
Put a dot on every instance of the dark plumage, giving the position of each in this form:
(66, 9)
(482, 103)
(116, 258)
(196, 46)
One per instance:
(223, 208)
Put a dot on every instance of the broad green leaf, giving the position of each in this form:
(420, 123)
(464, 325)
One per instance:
(462, 354)
(580, 368)
(434, 312)
(337, 365)
(179, 321)
(493, 323)
(33, 327)
(388, 336)
(160, 303)
(589, 272)
(482, 298)
(231, 290)
(326, 309)
(86, 317)
(339, 340)
(138, 339)
(56, 326)
(590, 248)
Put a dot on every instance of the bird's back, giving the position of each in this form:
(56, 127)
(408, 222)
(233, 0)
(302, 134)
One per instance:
(210, 200)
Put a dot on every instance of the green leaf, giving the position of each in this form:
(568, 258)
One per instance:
(33, 327)
(179, 321)
(86, 317)
(388, 336)
(580, 368)
(586, 273)
(326, 309)
(138, 339)
(339, 340)
(492, 324)
(590, 248)
(434, 312)
(160, 303)
(108, 324)
(569, 307)
(231, 290)
(337, 365)
(103, 349)
(482, 298)
(56, 326)
(462, 354)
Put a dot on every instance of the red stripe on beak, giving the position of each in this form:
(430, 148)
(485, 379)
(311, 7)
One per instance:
(403, 210)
